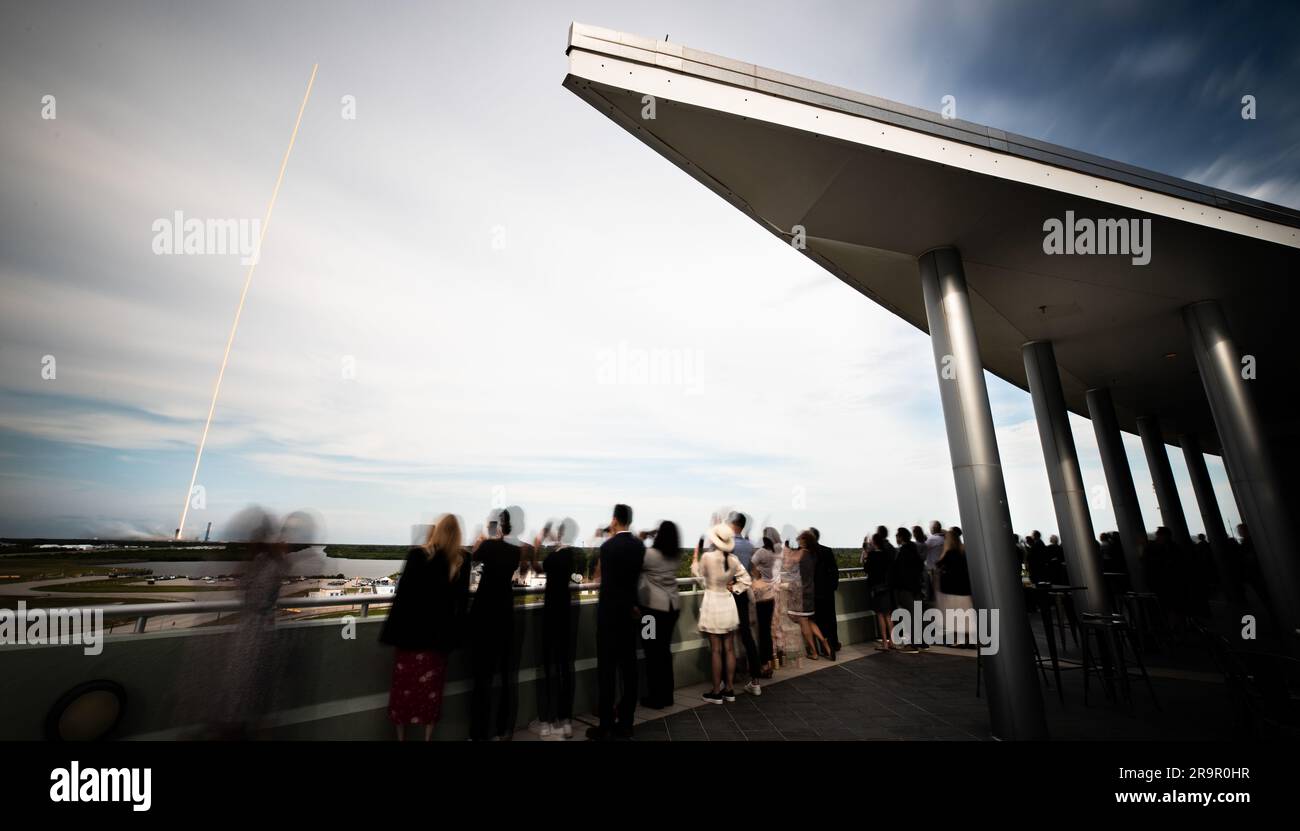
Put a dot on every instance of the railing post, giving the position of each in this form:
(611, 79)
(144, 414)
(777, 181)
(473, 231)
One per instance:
(140, 624)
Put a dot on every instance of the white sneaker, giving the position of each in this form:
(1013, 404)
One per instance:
(566, 729)
(541, 728)
(753, 688)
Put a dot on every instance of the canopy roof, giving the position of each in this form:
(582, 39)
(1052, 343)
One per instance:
(875, 184)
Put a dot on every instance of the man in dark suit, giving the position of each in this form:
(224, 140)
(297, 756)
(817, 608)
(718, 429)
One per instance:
(826, 580)
(617, 625)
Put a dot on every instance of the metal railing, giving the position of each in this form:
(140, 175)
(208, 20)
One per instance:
(142, 612)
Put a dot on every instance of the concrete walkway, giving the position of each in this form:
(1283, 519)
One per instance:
(871, 695)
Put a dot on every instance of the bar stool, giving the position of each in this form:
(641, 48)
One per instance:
(1113, 636)
(1063, 599)
(1038, 662)
(1147, 616)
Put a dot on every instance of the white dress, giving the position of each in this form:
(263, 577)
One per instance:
(718, 615)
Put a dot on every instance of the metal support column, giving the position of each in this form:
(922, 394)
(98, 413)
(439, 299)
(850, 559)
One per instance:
(1119, 482)
(1015, 699)
(1250, 468)
(1208, 504)
(1162, 476)
(1083, 556)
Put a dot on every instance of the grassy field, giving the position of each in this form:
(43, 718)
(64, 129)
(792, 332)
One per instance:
(23, 569)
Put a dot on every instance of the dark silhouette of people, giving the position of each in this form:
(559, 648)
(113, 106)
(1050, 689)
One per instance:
(559, 629)
(906, 574)
(618, 621)
(1037, 559)
(827, 582)
(878, 563)
(1167, 576)
(1056, 570)
(492, 632)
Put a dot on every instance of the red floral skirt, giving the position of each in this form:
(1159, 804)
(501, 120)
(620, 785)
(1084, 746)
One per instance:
(416, 695)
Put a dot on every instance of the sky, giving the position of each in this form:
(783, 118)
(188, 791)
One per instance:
(460, 282)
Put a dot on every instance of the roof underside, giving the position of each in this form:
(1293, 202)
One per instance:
(876, 184)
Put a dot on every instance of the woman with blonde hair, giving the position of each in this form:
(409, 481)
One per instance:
(425, 625)
(954, 591)
(719, 570)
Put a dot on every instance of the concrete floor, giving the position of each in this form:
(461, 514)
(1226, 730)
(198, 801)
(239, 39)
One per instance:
(872, 695)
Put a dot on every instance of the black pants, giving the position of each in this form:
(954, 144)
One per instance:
(616, 636)
(492, 655)
(824, 617)
(747, 635)
(765, 609)
(556, 699)
(904, 599)
(659, 658)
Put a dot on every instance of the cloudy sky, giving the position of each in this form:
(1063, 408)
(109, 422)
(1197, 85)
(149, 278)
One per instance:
(458, 283)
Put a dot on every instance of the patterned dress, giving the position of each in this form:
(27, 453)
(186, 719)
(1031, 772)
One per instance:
(789, 600)
(416, 694)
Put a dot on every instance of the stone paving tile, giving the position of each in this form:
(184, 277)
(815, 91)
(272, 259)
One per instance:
(931, 696)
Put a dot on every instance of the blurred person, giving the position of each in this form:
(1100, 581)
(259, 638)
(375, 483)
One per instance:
(786, 637)
(800, 582)
(954, 580)
(492, 632)
(529, 565)
(253, 662)
(877, 564)
(765, 570)
(1056, 569)
(618, 622)
(1037, 561)
(1167, 576)
(827, 584)
(931, 549)
(906, 575)
(425, 625)
(743, 549)
(560, 563)
(719, 570)
(918, 537)
(658, 597)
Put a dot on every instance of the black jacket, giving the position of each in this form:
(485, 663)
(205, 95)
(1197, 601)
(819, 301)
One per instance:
(1038, 563)
(493, 608)
(621, 557)
(827, 573)
(954, 574)
(907, 570)
(878, 564)
(559, 566)
(429, 607)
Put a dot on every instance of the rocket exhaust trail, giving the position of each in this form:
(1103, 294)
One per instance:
(248, 280)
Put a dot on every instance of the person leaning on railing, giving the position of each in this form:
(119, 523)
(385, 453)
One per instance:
(658, 596)
(425, 625)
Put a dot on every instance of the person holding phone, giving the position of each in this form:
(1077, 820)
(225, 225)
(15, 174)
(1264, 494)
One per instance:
(618, 619)
(492, 632)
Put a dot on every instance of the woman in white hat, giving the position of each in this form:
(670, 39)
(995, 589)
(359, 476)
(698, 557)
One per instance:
(719, 570)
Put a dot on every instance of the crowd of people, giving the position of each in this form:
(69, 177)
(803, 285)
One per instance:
(916, 567)
(765, 603)
(783, 591)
